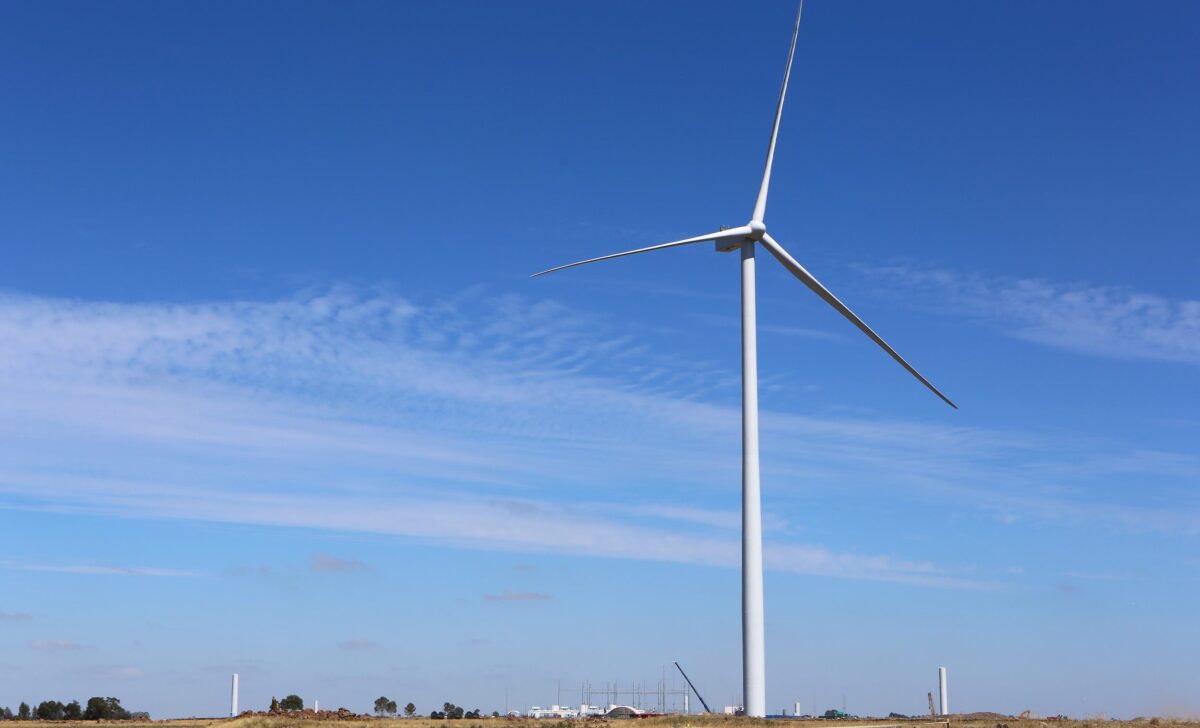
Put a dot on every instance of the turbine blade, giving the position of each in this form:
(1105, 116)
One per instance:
(760, 206)
(736, 232)
(815, 286)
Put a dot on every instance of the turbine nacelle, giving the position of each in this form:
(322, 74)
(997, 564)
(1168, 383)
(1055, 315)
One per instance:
(755, 230)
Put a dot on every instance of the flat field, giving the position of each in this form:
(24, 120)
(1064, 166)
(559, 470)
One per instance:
(668, 721)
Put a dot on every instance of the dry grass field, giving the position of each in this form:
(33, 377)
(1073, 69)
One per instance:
(670, 721)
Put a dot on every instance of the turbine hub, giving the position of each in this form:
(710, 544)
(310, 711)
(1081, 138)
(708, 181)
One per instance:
(757, 230)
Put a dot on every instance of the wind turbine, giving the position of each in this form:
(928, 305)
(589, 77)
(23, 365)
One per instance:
(745, 238)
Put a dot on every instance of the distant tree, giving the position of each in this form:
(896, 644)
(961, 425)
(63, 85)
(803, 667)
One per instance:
(105, 709)
(23, 712)
(49, 710)
(495, 714)
(410, 710)
(292, 702)
(72, 711)
(456, 714)
(95, 710)
(116, 711)
(436, 715)
(391, 707)
(274, 704)
(381, 705)
(6, 714)
(140, 715)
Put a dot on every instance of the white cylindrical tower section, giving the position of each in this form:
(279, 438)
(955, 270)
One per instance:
(754, 663)
(944, 701)
(233, 711)
(796, 713)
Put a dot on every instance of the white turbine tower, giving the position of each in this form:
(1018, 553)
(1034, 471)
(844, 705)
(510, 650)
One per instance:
(745, 238)
(233, 700)
(943, 699)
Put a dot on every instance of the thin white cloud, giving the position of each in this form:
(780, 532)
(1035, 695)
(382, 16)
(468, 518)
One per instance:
(517, 596)
(56, 646)
(15, 616)
(1093, 576)
(118, 672)
(732, 322)
(1105, 321)
(358, 643)
(726, 519)
(476, 423)
(326, 563)
(466, 521)
(101, 570)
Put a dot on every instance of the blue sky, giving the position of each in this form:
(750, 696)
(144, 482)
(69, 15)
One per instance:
(278, 396)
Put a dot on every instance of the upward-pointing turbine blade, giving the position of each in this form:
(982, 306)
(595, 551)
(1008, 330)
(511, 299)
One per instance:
(736, 232)
(815, 286)
(760, 206)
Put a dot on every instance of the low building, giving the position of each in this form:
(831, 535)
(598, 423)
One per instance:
(622, 712)
(554, 711)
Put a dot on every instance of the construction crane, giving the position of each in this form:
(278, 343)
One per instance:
(693, 687)
(931, 709)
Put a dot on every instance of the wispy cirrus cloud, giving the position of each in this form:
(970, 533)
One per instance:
(475, 422)
(98, 569)
(358, 643)
(520, 526)
(517, 596)
(56, 646)
(1093, 576)
(727, 519)
(117, 672)
(1108, 321)
(329, 564)
(732, 322)
(15, 616)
